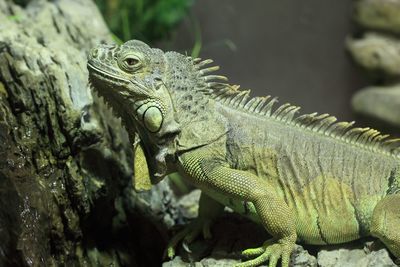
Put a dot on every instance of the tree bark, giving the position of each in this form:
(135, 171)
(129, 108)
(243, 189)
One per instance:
(66, 195)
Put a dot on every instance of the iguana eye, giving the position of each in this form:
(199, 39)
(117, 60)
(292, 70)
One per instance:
(129, 63)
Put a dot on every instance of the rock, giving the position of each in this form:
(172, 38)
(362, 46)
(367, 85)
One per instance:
(301, 258)
(208, 262)
(66, 161)
(189, 204)
(378, 14)
(376, 53)
(354, 257)
(176, 262)
(211, 262)
(378, 258)
(379, 102)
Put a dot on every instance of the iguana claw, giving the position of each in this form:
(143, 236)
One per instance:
(189, 234)
(271, 250)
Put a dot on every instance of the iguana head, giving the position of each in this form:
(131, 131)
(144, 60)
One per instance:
(131, 78)
(163, 93)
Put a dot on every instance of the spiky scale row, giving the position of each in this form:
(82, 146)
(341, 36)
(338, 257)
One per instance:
(267, 109)
(204, 62)
(320, 123)
(264, 99)
(288, 113)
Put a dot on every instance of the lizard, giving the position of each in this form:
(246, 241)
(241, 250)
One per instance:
(305, 178)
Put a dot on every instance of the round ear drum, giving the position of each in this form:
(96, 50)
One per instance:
(153, 119)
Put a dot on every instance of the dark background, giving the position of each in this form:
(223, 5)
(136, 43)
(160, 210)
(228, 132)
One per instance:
(288, 48)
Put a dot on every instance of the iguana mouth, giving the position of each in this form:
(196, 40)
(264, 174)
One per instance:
(105, 76)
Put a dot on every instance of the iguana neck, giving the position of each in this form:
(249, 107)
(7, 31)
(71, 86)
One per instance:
(186, 86)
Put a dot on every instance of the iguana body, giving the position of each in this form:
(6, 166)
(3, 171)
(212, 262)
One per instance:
(306, 178)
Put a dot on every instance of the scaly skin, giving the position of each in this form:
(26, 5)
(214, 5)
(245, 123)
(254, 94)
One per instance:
(304, 178)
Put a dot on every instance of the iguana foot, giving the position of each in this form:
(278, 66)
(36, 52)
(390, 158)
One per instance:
(271, 250)
(189, 233)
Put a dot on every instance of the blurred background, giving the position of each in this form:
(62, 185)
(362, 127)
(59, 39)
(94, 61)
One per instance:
(291, 49)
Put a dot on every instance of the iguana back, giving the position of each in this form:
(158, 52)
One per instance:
(331, 179)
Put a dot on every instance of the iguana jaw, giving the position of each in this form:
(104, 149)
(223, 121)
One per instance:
(105, 76)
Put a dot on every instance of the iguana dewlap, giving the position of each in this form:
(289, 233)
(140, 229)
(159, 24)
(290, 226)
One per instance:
(305, 178)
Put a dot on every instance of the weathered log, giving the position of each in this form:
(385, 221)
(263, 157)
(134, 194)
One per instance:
(66, 195)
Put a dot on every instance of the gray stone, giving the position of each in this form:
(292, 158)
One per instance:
(378, 14)
(189, 204)
(354, 257)
(379, 102)
(301, 258)
(376, 53)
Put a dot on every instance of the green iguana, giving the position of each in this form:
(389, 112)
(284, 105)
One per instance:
(305, 178)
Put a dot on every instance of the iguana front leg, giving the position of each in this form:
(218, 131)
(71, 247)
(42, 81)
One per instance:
(207, 172)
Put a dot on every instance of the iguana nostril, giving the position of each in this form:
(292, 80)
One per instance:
(95, 52)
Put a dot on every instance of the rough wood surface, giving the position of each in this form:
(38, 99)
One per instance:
(66, 196)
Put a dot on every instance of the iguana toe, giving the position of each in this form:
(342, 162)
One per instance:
(193, 234)
(170, 253)
(189, 234)
(271, 251)
(254, 252)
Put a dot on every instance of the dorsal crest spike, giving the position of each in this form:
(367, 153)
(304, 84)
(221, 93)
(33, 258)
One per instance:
(222, 93)
(315, 122)
(291, 111)
(365, 138)
(305, 119)
(245, 98)
(251, 102)
(279, 110)
(215, 77)
(203, 63)
(267, 109)
(208, 70)
(325, 123)
(235, 87)
(262, 103)
(240, 95)
(216, 85)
